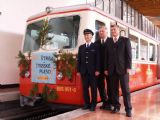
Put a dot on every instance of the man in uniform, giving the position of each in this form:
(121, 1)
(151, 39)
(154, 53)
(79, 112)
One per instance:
(88, 68)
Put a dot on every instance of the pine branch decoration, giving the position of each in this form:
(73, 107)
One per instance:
(47, 92)
(34, 90)
(24, 63)
(66, 63)
(43, 33)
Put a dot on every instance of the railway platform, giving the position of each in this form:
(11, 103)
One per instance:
(146, 106)
(9, 94)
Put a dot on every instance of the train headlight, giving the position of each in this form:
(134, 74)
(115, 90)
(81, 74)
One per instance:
(27, 74)
(59, 76)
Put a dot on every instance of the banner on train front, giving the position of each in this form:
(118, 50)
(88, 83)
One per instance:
(43, 69)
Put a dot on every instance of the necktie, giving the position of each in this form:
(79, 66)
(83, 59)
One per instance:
(88, 45)
(102, 41)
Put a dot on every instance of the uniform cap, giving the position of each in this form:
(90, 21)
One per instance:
(88, 31)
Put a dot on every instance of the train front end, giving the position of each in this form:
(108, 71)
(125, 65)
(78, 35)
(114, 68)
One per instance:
(48, 59)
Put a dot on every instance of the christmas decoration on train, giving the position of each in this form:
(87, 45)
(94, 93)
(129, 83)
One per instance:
(66, 64)
(46, 94)
(43, 38)
(24, 64)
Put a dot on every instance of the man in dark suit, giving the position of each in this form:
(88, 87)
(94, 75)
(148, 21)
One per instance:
(118, 61)
(88, 68)
(101, 43)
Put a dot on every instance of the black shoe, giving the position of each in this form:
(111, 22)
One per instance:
(92, 109)
(115, 110)
(108, 102)
(85, 107)
(129, 114)
(108, 107)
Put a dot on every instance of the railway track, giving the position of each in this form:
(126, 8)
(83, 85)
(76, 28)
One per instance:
(12, 111)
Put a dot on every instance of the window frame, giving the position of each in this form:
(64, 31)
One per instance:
(143, 51)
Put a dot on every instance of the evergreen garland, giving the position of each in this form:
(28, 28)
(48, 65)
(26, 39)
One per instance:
(66, 64)
(47, 93)
(24, 63)
(34, 90)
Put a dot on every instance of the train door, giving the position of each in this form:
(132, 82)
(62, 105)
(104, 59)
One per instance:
(158, 61)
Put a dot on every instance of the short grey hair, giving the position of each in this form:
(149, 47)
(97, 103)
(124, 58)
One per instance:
(103, 26)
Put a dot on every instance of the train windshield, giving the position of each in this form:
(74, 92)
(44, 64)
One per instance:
(63, 34)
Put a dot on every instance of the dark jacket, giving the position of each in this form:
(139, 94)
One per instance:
(101, 48)
(118, 56)
(88, 59)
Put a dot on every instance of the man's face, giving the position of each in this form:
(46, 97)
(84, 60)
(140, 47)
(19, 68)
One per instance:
(115, 31)
(88, 37)
(102, 33)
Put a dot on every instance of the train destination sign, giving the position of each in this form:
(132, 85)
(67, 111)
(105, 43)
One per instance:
(43, 68)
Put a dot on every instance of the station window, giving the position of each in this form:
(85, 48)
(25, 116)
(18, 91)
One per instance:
(113, 7)
(98, 24)
(125, 12)
(118, 8)
(132, 17)
(134, 45)
(136, 19)
(99, 4)
(129, 15)
(107, 6)
(143, 49)
(140, 21)
(152, 52)
(144, 24)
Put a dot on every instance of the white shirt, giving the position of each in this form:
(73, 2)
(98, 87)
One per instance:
(88, 43)
(115, 38)
(104, 40)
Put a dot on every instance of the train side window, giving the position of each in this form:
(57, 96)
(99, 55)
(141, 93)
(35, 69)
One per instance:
(123, 33)
(143, 49)
(152, 51)
(134, 45)
(98, 24)
(123, 30)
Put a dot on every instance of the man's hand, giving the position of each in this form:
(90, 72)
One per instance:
(106, 72)
(78, 74)
(128, 71)
(97, 73)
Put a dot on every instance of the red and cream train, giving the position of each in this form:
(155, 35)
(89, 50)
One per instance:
(67, 25)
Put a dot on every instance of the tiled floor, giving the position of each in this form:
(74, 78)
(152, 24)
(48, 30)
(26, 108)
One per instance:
(146, 106)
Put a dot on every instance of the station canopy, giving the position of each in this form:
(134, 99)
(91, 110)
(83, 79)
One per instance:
(148, 8)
